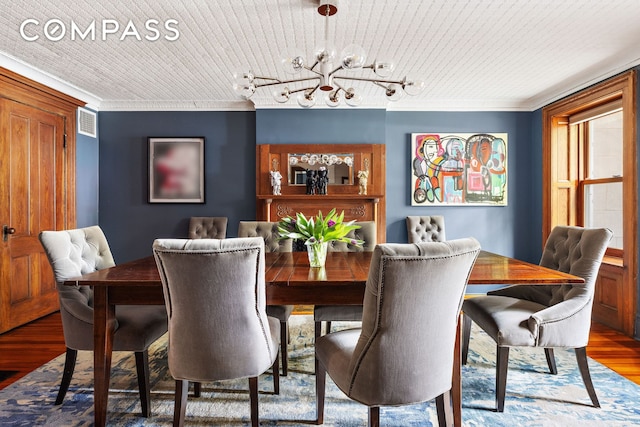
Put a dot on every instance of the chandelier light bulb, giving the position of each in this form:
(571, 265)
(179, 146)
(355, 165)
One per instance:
(325, 54)
(413, 87)
(243, 77)
(352, 98)
(306, 99)
(383, 68)
(332, 99)
(244, 90)
(293, 63)
(353, 57)
(281, 96)
(394, 92)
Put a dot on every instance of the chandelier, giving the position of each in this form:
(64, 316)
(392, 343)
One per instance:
(325, 74)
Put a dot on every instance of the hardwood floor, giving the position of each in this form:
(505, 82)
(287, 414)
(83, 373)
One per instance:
(615, 350)
(28, 347)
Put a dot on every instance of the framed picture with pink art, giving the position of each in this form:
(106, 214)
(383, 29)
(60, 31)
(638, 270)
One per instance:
(176, 170)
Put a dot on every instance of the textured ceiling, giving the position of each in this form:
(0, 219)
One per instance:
(510, 55)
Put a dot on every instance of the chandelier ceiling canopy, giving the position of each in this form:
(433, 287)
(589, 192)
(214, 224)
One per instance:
(326, 73)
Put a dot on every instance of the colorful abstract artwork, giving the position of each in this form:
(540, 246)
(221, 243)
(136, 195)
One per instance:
(458, 169)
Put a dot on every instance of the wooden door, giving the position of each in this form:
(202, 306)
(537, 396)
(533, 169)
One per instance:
(33, 190)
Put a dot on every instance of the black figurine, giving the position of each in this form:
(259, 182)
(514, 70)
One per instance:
(323, 180)
(312, 178)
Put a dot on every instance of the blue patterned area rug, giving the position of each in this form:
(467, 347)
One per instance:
(534, 397)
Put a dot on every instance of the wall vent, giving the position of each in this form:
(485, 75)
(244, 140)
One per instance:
(87, 122)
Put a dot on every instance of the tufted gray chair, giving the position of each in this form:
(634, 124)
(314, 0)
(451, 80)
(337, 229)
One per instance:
(73, 253)
(544, 316)
(214, 292)
(425, 228)
(346, 313)
(366, 232)
(403, 354)
(207, 227)
(269, 233)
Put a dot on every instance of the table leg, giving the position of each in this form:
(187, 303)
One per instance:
(104, 315)
(456, 386)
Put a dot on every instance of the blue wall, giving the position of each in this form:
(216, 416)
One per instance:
(128, 220)
(131, 223)
(504, 230)
(87, 186)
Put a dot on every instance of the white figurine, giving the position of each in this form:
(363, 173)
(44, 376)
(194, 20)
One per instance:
(276, 179)
(363, 175)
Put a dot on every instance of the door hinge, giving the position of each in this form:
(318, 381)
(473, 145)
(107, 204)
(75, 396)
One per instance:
(64, 141)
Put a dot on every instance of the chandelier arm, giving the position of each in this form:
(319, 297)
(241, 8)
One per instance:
(282, 82)
(340, 87)
(304, 89)
(365, 79)
(312, 70)
(331, 73)
(265, 78)
(312, 67)
(314, 89)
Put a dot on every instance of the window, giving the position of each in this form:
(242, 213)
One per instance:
(598, 134)
(590, 178)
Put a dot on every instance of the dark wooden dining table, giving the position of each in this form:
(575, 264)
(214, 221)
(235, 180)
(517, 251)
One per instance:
(290, 281)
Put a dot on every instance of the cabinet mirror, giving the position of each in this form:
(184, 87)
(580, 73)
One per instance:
(339, 167)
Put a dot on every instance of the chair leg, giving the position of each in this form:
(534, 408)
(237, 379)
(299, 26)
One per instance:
(284, 339)
(502, 367)
(444, 409)
(197, 389)
(69, 367)
(374, 416)
(551, 361)
(466, 336)
(180, 406)
(583, 364)
(142, 366)
(253, 397)
(276, 375)
(320, 391)
(328, 331)
(318, 329)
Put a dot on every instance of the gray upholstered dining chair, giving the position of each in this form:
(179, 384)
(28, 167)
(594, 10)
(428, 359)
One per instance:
(208, 227)
(427, 228)
(345, 313)
(272, 242)
(214, 292)
(403, 354)
(545, 316)
(72, 253)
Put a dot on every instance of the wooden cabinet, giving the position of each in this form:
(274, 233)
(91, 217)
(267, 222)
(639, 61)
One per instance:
(343, 191)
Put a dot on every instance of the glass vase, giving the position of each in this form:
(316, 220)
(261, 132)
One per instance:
(317, 254)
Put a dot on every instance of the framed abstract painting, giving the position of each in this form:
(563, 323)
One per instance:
(176, 170)
(458, 169)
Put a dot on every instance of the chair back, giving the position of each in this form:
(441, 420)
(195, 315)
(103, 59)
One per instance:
(425, 228)
(412, 301)
(578, 251)
(208, 227)
(366, 232)
(214, 293)
(72, 253)
(268, 231)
